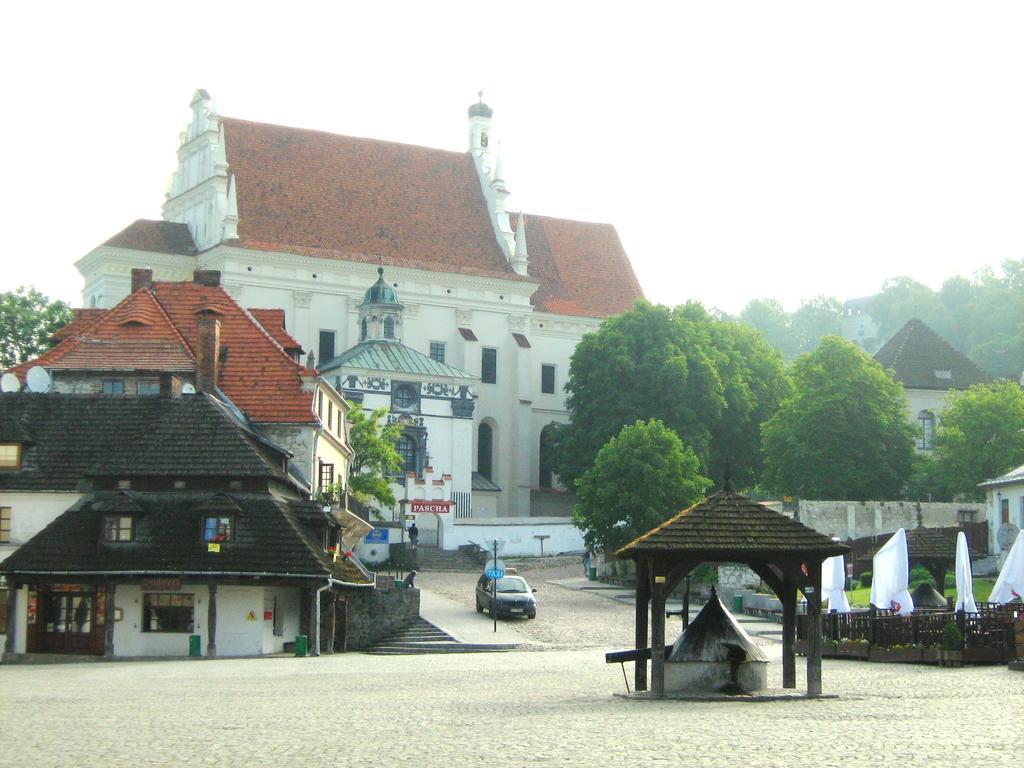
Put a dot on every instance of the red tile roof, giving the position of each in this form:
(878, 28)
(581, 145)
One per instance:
(272, 321)
(338, 197)
(156, 329)
(158, 236)
(82, 318)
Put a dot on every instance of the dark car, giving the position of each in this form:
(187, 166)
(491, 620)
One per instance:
(513, 597)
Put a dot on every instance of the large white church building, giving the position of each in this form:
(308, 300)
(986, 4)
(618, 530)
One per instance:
(301, 220)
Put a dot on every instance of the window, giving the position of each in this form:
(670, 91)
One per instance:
(5, 525)
(165, 612)
(10, 456)
(389, 327)
(488, 365)
(1004, 510)
(437, 350)
(118, 528)
(404, 397)
(407, 449)
(320, 405)
(330, 414)
(326, 346)
(485, 451)
(217, 528)
(547, 379)
(362, 329)
(926, 421)
(149, 387)
(326, 475)
(113, 387)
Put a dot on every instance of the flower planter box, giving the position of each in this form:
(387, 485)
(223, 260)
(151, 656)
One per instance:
(931, 655)
(852, 650)
(984, 656)
(895, 655)
(951, 658)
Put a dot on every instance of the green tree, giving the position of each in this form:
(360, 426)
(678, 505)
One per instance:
(817, 318)
(640, 478)
(375, 456)
(844, 433)
(27, 319)
(979, 436)
(711, 381)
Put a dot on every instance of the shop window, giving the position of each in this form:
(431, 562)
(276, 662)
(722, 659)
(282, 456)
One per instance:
(112, 387)
(218, 528)
(488, 365)
(5, 525)
(547, 379)
(166, 612)
(437, 350)
(118, 528)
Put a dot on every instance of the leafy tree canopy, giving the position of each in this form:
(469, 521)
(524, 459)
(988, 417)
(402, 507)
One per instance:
(640, 478)
(709, 380)
(979, 436)
(799, 332)
(27, 318)
(375, 456)
(844, 432)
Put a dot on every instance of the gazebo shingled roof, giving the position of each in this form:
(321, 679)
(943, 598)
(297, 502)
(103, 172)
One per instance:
(726, 523)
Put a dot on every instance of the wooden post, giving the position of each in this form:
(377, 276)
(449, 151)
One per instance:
(788, 598)
(12, 616)
(108, 629)
(334, 621)
(643, 596)
(314, 625)
(657, 638)
(211, 623)
(813, 594)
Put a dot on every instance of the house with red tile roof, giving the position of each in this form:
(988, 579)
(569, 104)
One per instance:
(299, 220)
(174, 338)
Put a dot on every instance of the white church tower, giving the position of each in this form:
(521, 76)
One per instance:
(487, 156)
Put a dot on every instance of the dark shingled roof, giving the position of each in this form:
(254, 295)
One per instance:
(71, 437)
(926, 544)
(725, 525)
(158, 236)
(268, 539)
(916, 353)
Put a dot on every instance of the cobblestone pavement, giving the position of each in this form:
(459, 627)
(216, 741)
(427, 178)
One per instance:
(501, 709)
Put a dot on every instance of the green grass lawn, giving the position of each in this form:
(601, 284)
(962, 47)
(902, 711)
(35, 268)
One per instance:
(861, 598)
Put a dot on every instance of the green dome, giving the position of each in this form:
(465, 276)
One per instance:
(380, 292)
(480, 110)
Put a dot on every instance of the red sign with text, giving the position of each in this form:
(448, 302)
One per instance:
(422, 507)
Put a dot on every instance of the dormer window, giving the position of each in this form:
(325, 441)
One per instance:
(118, 528)
(10, 456)
(218, 528)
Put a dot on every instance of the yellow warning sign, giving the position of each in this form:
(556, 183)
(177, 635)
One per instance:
(213, 546)
(251, 616)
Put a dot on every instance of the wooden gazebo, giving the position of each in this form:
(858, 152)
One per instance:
(933, 548)
(727, 527)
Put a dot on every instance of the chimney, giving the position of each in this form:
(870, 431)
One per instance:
(141, 278)
(208, 352)
(208, 277)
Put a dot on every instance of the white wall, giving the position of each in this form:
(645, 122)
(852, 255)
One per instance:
(1015, 495)
(236, 635)
(31, 512)
(518, 535)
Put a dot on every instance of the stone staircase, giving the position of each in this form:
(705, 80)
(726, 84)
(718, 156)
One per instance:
(430, 558)
(422, 637)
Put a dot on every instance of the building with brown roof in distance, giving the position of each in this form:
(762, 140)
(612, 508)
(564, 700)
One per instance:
(299, 220)
(929, 368)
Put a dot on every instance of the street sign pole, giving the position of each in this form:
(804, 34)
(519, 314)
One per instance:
(494, 589)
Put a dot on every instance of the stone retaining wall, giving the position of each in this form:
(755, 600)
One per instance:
(373, 614)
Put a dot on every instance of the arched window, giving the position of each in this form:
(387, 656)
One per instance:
(545, 456)
(389, 327)
(926, 421)
(407, 449)
(485, 451)
(362, 330)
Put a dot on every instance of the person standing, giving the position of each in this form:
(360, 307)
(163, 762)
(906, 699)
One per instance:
(414, 535)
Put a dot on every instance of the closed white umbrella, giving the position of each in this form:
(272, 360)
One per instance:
(1010, 583)
(833, 579)
(890, 576)
(964, 580)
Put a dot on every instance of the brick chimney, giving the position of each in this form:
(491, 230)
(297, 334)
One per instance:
(208, 277)
(208, 351)
(141, 278)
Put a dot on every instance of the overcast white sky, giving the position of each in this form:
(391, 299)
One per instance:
(742, 149)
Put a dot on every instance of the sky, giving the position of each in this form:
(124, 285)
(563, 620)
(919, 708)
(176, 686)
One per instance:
(741, 149)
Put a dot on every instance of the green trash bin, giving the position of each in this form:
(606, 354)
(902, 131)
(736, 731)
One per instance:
(737, 603)
(593, 573)
(195, 645)
(301, 645)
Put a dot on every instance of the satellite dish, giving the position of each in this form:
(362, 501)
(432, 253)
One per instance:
(1006, 535)
(10, 383)
(188, 389)
(38, 379)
